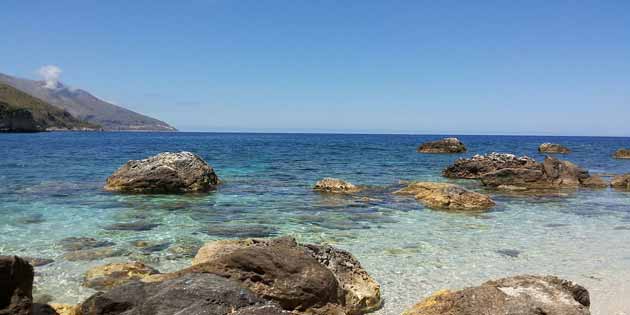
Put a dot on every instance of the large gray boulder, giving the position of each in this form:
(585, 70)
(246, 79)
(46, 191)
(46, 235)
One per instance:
(520, 295)
(16, 286)
(478, 165)
(182, 172)
(553, 148)
(446, 145)
(190, 294)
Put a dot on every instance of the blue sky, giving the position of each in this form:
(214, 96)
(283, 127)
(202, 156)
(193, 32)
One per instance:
(456, 67)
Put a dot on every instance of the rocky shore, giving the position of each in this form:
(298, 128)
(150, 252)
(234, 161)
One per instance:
(275, 277)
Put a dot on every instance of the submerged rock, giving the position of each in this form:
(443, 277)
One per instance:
(241, 231)
(478, 165)
(93, 254)
(186, 294)
(335, 185)
(622, 154)
(37, 261)
(447, 196)
(446, 145)
(80, 243)
(337, 285)
(182, 172)
(621, 182)
(111, 275)
(553, 148)
(132, 226)
(522, 295)
(16, 286)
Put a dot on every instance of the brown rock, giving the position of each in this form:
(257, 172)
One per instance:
(594, 181)
(446, 145)
(182, 172)
(621, 182)
(522, 295)
(359, 292)
(622, 154)
(447, 196)
(111, 275)
(335, 185)
(553, 148)
(16, 286)
(478, 165)
(551, 174)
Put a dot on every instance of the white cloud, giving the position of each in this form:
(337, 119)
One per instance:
(50, 74)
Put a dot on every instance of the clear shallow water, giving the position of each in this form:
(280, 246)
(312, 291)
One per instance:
(51, 189)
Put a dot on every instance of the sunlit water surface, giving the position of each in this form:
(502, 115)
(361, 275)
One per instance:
(51, 190)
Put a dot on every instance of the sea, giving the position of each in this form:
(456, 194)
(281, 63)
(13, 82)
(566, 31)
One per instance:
(52, 189)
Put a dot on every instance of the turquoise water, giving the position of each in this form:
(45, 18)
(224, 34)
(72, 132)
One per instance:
(51, 190)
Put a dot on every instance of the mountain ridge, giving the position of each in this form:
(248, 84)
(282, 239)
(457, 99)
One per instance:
(21, 112)
(85, 106)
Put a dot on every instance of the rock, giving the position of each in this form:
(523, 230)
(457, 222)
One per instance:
(80, 243)
(357, 292)
(622, 154)
(553, 148)
(186, 294)
(335, 185)
(478, 165)
(55, 309)
(446, 145)
(37, 261)
(132, 226)
(621, 182)
(241, 231)
(509, 252)
(362, 293)
(16, 286)
(185, 248)
(111, 275)
(594, 181)
(447, 196)
(281, 273)
(65, 309)
(522, 295)
(167, 172)
(551, 174)
(93, 254)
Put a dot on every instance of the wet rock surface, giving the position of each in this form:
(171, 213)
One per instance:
(446, 145)
(182, 172)
(522, 295)
(132, 226)
(111, 275)
(553, 148)
(335, 185)
(446, 196)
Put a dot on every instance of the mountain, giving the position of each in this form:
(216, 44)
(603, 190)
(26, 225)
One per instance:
(21, 112)
(86, 106)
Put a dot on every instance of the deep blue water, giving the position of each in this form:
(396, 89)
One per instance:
(51, 189)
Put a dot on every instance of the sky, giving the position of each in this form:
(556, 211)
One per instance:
(437, 67)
